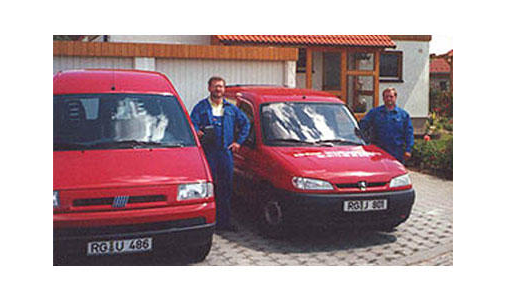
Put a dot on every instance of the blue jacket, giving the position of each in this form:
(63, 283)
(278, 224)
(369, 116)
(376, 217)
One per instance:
(202, 115)
(390, 130)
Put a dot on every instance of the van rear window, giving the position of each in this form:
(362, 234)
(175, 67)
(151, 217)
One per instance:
(112, 121)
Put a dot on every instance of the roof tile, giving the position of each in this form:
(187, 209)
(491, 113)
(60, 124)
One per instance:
(313, 40)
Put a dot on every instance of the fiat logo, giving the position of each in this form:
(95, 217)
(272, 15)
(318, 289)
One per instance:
(120, 201)
(362, 185)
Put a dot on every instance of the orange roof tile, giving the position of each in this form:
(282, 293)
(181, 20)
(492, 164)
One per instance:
(314, 40)
(439, 65)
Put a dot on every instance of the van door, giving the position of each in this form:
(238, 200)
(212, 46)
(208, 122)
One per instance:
(244, 160)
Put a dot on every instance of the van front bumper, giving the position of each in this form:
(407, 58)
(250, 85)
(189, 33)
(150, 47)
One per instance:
(320, 209)
(71, 243)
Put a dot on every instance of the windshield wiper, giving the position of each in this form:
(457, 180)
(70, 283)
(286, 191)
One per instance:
(339, 140)
(292, 141)
(69, 146)
(133, 144)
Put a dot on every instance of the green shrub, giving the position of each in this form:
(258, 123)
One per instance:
(434, 156)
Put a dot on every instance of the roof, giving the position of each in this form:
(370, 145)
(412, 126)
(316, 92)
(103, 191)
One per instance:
(311, 40)
(111, 81)
(274, 94)
(439, 65)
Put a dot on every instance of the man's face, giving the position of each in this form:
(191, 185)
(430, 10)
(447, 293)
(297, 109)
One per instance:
(389, 99)
(216, 89)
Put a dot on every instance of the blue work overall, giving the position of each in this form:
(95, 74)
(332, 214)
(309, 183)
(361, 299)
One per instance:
(218, 155)
(221, 165)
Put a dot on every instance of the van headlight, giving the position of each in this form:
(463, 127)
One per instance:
(56, 199)
(399, 181)
(311, 184)
(197, 190)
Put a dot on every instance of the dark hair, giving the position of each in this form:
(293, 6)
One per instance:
(390, 89)
(215, 78)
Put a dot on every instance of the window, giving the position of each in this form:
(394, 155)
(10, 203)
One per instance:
(443, 85)
(301, 63)
(360, 93)
(247, 109)
(114, 121)
(391, 66)
(332, 71)
(289, 123)
(360, 61)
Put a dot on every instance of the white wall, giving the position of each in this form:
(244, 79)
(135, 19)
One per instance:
(413, 92)
(190, 76)
(61, 63)
(163, 39)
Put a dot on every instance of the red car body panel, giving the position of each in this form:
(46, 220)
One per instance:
(107, 81)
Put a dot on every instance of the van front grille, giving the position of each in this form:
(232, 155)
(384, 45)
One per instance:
(110, 200)
(356, 185)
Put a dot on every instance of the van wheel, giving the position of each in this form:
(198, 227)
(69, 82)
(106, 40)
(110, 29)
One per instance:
(271, 219)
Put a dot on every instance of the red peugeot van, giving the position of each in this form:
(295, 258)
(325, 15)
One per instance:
(305, 162)
(129, 175)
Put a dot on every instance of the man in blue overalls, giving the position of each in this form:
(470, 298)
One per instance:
(390, 127)
(219, 118)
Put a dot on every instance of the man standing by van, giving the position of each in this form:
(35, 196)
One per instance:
(215, 121)
(390, 127)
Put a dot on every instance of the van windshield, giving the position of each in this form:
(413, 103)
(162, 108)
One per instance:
(308, 123)
(114, 121)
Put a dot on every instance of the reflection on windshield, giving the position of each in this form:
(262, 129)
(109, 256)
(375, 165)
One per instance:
(118, 120)
(132, 122)
(308, 122)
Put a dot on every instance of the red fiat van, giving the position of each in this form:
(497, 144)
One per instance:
(129, 175)
(305, 162)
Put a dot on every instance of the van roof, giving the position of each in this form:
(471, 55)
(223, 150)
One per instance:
(91, 81)
(266, 93)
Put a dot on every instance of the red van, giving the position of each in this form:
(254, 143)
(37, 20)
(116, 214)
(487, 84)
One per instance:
(306, 162)
(129, 175)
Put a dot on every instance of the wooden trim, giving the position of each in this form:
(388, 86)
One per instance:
(106, 49)
(344, 76)
(309, 67)
(376, 79)
(421, 38)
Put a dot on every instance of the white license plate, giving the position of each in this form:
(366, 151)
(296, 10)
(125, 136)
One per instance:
(364, 205)
(120, 246)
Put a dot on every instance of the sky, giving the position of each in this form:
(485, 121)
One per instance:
(397, 17)
(440, 44)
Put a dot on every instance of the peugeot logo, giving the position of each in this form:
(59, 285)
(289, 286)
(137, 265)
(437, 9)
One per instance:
(362, 185)
(120, 201)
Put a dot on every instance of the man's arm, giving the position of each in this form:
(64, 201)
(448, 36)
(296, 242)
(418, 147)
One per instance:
(409, 134)
(194, 117)
(243, 126)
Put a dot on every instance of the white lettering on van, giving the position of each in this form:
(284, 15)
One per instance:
(329, 154)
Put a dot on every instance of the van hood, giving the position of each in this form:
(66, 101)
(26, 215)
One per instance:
(127, 168)
(343, 164)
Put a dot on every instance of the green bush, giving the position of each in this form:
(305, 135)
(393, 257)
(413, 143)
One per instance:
(433, 155)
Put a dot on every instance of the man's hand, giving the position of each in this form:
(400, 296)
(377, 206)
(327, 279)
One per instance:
(200, 134)
(407, 155)
(234, 147)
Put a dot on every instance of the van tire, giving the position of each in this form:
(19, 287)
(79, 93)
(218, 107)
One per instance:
(270, 216)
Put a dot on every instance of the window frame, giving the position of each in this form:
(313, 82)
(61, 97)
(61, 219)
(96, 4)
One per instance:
(399, 76)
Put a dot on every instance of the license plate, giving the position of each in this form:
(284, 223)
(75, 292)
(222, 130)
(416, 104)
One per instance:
(120, 246)
(364, 205)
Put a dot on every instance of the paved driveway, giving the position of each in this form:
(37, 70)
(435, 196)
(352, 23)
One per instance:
(425, 239)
